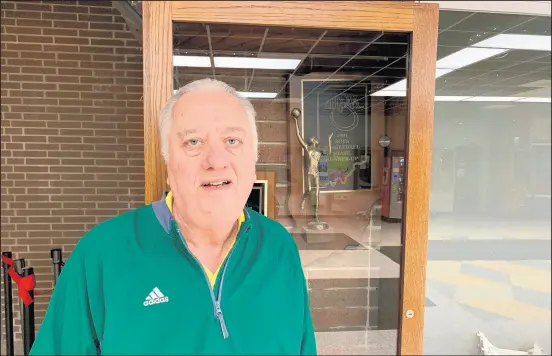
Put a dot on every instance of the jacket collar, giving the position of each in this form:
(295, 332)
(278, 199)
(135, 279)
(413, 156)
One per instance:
(164, 215)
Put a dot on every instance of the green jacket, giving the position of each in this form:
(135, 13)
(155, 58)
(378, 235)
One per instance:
(131, 287)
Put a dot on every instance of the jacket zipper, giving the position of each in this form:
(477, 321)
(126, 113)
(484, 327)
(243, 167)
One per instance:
(216, 300)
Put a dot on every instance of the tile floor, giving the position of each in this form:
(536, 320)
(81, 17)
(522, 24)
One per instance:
(504, 291)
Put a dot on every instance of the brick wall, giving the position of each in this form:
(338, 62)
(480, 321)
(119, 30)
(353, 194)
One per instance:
(72, 127)
(272, 126)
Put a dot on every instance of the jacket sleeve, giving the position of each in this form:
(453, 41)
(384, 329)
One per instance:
(74, 320)
(308, 345)
(308, 340)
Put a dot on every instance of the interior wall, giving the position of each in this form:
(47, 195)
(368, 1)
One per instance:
(494, 136)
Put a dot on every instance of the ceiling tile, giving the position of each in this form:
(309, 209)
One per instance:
(464, 73)
(449, 18)
(490, 22)
(462, 39)
(443, 51)
(509, 65)
(465, 83)
(521, 79)
(477, 91)
(399, 38)
(524, 56)
(503, 91)
(537, 26)
(529, 67)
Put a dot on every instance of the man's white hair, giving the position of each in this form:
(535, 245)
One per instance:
(207, 84)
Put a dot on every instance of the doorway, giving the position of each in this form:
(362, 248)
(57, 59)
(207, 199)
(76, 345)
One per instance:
(357, 79)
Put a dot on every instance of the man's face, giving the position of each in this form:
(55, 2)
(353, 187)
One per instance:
(211, 167)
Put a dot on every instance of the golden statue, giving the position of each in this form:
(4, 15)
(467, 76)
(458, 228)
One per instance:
(313, 175)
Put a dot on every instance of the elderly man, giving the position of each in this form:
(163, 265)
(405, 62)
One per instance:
(196, 272)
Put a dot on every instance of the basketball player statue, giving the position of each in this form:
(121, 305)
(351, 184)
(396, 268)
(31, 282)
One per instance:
(313, 155)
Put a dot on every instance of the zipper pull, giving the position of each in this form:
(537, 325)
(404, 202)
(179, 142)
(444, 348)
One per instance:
(218, 310)
(220, 317)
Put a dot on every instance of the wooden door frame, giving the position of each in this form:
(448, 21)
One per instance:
(421, 20)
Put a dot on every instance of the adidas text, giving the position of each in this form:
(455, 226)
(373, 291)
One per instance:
(156, 301)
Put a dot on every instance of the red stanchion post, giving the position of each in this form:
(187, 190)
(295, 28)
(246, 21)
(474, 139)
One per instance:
(28, 317)
(8, 304)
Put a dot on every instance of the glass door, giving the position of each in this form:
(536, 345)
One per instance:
(334, 110)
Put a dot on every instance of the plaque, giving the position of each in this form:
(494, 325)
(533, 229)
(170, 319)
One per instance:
(336, 112)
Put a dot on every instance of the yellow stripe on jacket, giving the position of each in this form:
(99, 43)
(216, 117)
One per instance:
(212, 276)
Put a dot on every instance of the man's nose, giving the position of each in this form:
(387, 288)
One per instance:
(216, 158)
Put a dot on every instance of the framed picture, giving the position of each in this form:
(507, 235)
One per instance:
(258, 199)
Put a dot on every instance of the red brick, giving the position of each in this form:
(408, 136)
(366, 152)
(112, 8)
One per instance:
(71, 24)
(35, 39)
(60, 48)
(26, 78)
(72, 40)
(33, 6)
(24, 47)
(102, 34)
(96, 18)
(107, 26)
(9, 38)
(35, 55)
(34, 23)
(59, 32)
(55, 16)
(23, 14)
(71, 9)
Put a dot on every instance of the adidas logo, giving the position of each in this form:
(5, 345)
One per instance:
(155, 297)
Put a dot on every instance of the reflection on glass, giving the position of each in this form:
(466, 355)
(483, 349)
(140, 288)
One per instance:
(338, 106)
(488, 265)
(320, 123)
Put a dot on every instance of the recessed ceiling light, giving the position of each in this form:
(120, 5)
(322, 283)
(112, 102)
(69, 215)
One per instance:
(257, 95)
(236, 62)
(256, 63)
(450, 98)
(515, 99)
(389, 93)
(191, 61)
(493, 98)
(398, 86)
(442, 71)
(467, 56)
(534, 100)
(401, 85)
(520, 42)
(251, 94)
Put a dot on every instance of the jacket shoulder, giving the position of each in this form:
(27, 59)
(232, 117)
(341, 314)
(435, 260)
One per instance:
(109, 231)
(274, 233)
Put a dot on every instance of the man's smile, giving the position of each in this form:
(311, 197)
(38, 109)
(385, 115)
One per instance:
(216, 184)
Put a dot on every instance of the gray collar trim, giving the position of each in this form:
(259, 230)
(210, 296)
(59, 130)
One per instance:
(162, 212)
